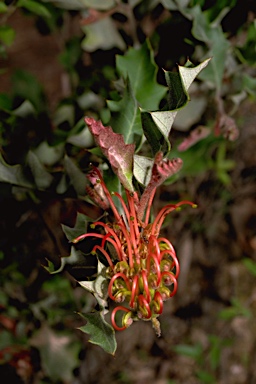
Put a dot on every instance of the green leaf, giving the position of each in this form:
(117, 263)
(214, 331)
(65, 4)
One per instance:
(193, 351)
(82, 4)
(3, 8)
(101, 333)
(67, 4)
(142, 168)
(99, 4)
(236, 309)
(212, 35)
(98, 287)
(25, 109)
(250, 265)
(49, 155)
(206, 377)
(42, 178)
(35, 7)
(7, 34)
(139, 66)
(58, 353)
(125, 116)
(101, 35)
(157, 125)
(13, 174)
(76, 176)
(79, 228)
(27, 86)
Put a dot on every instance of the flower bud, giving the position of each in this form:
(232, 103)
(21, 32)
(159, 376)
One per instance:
(127, 319)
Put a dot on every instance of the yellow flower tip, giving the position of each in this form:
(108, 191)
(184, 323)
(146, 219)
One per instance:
(194, 206)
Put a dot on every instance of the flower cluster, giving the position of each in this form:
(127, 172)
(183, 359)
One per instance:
(143, 267)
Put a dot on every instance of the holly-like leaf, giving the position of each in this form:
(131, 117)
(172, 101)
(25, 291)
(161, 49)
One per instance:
(119, 154)
(76, 176)
(101, 35)
(43, 179)
(98, 287)
(101, 333)
(157, 125)
(79, 228)
(142, 169)
(212, 35)
(139, 66)
(125, 116)
(82, 4)
(58, 353)
(13, 174)
(35, 7)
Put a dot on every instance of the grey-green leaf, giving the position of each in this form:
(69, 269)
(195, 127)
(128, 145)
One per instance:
(101, 333)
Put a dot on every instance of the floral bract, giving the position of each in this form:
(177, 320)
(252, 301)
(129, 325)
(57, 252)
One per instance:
(143, 266)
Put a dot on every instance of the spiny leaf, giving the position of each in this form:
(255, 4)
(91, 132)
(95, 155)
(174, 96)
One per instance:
(142, 169)
(76, 176)
(139, 66)
(157, 125)
(125, 115)
(43, 179)
(58, 353)
(212, 35)
(79, 228)
(13, 174)
(101, 333)
(101, 34)
(98, 287)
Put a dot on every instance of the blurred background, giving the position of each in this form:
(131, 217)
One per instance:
(58, 64)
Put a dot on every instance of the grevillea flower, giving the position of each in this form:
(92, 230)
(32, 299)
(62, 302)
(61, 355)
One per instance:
(142, 265)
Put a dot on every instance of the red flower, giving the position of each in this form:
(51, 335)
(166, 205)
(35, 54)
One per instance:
(146, 271)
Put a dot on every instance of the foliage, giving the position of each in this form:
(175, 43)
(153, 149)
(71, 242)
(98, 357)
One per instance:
(128, 79)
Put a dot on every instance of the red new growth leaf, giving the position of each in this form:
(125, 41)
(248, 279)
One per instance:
(162, 169)
(196, 135)
(119, 154)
